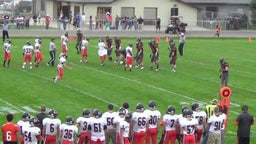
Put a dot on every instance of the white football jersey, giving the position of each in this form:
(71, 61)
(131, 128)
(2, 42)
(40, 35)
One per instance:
(154, 116)
(224, 117)
(189, 126)
(83, 123)
(170, 121)
(37, 47)
(84, 44)
(7, 47)
(109, 117)
(68, 132)
(51, 125)
(30, 135)
(28, 49)
(117, 120)
(128, 51)
(97, 131)
(63, 38)
(125, 126)
(101, 46)
(216, 123)
(140, 121)
(201, 117)
(62, 61)
(22, 124)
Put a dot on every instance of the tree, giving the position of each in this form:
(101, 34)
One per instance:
(253, 11)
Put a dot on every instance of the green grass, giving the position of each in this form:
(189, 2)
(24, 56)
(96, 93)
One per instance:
(92, 86)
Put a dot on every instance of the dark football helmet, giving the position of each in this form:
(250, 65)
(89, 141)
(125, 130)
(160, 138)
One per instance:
(97, 113)
(28, 43)
(101, 40)
(26, 116)
(53, 113)
(152, 104)
(139, 106)
(128, 117)
(130, 44)
(66, 34)
(222, 60)
(171, 109)
(122, 111)
(9, 41)
(195, 106)
(33, 121)
(183, 108)
(86, 113)
(139, 39)
(69, 120)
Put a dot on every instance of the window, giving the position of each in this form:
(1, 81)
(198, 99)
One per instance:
(127, 11)
(150, 15)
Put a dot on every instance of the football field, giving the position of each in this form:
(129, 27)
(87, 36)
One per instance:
(90, 85)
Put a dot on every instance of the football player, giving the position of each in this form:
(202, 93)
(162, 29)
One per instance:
(51, 127)
(117, 120)
(140, 53)
(10, 131)
(182, 43)
(38, 49)
(224, 73)
(7, 53)
(28, 51)
(129, 58)
(173, 56)
(125, 129)
(68, 131)
(64, 40)
(84, 49)
(111, 131)
(154, 116)
(22, 124)
(201, 118)
(32, 134)
(188, 126)
(79, 36)
(139, 124)
(154, 56)
(118, 49)
(60, 66)
(97, 128)
(102, 51)
(109, 42)
(82, 123)
(169, 122)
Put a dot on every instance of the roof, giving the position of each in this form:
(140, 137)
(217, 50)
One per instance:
(87, 1)
(247, 2)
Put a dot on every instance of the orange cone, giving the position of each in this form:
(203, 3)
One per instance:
(167, 39)
(250, 39)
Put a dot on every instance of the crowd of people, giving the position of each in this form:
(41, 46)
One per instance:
(193, 125)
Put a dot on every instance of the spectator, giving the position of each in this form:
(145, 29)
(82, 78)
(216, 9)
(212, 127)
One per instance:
(78, 19)
(158, 24)
(35, 19)
(90, 23)
(70, 17)
(5, 31)
(64, 22)
(47, 21)
(244, 122)
(117, 20)
(83, 19)
(39, 17)
(60, 20)
(140, 22)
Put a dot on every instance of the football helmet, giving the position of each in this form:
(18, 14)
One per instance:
(87, 38)
(28, 43)
(122, 111)
(130, 44)
(222, 60)
(139, 106)
(183, 108)
(33, 121)
(171, 110)
(195, 106)
(66, 34)
(53, 113)
(152, 104)
(139, 39)
(101, 40)
(69, 120)
(9, 41)
(128, 117)
(97, 113)
(26, 116)
(86, 113)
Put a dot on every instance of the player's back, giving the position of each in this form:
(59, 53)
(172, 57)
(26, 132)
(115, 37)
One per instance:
(140, 121)
(201, 118)
(97, 128)
(30, 135)
(83, 123)
(51, 126)
(22, 124)
(170, 121)
(109, 117)
(154, 116)
(68, 132)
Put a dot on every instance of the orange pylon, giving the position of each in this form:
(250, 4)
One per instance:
(249, 39)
